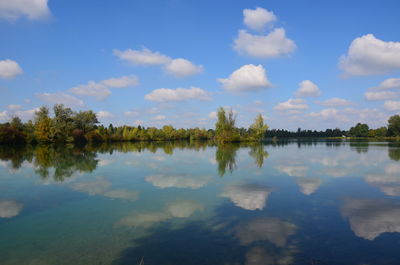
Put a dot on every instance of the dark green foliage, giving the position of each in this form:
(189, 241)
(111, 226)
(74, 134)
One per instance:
(394, 125)
(360, 130)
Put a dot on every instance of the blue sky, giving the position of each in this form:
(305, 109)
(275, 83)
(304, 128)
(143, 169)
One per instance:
(309, 64)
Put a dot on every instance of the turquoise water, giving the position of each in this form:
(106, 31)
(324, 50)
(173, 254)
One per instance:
(296, 202)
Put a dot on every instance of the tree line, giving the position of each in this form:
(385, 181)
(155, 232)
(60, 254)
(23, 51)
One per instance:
(67, 126)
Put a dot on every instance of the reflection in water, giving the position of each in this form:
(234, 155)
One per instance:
(258, 152)
(9, 209)
(293, 170)
(226, 158)
(192, 182)
(389, 182)
(247, 196)
(308, 185)
(62, 162)
(273, 230)
(124, 194)
(178, 209)
(98, 186)
(394, 153)
(370, 218)
(262, 256)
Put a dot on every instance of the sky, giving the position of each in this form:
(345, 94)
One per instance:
(309, 64)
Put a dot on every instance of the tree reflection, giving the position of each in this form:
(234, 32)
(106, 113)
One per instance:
(258, 152)
(394, 153)
(226, 158)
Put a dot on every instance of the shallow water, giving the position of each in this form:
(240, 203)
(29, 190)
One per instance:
(184, 203)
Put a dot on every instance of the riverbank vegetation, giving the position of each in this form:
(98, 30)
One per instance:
(67, 126)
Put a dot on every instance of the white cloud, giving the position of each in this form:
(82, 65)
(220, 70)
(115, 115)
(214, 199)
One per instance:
(335, 102)
(92, 89)
(14, 107)
(328, 114)
(162, 181)
(32, 9)
(182, 68)
(249, 77)
(9, 209)
(131, 113)
(105, 115)
(273, 230)
(179, 94)
(4, 116)
(275, 44)
(213, 115)
(61, 98)
(143, 219)
(380, 95)
(124, 81)
(292, 104)
(9, 68)
(389, 83)
(98, 186)
(368, 55)
(249, 197)
(308, 89)
(158, 118)
(142, 57)
(392, 105)
(129, 195)
(258, 18)
(370, 218)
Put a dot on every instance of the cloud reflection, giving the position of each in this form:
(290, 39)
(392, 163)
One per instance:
(273, 230)
(10, 209)
(308, 185)
(370, 218)
(247, 196)
(192, 182)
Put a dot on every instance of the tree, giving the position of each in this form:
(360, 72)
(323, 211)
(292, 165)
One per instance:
(258, 128)
(394, 125)
(225, 130)
(360, 130)
(42, 123)
(62, 125)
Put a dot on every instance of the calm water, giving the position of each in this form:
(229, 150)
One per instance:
(181, 204)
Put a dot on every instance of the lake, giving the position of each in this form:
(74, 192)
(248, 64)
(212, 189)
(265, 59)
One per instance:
(286, 202)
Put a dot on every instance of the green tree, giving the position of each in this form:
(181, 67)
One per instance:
(86, 121)
(394, 125)
(42, 123)
(258, 128)
(62, 123)
(360, 130)
(225, 130)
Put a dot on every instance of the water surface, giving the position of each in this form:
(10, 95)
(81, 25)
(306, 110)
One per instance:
(297, 202)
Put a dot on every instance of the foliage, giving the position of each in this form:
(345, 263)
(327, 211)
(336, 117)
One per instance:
(360, 130)
(394, 125)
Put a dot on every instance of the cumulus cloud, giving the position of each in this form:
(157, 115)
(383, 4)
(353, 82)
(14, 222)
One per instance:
(181, 68)
(247, 196)
(388, 182)
(142, 57)
(163, 181)
(308, 89)
(392, 105)
(273, 230)
(178, 94)
(258, 18)
(9, 68)
(14, 107)
(92, 89)
(123, 81)
(390, 83)
(274, 44)
(61, 98)
(131, 113)
(105, 115)
(335, 102)
(368, 55)
(370, 218)
(9, 209)
(296, 104)
(380, 95)
(249, 77)
(14, 9)
(158, 118)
